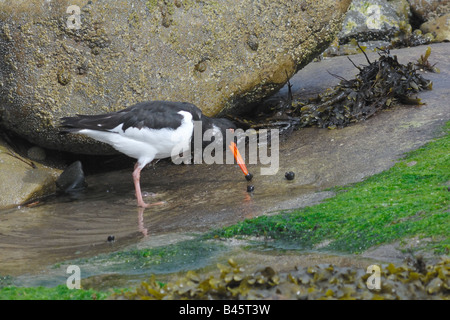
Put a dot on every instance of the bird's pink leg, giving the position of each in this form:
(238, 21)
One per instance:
(137, 187)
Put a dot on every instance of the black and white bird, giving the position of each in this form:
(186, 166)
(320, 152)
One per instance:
(146, 131)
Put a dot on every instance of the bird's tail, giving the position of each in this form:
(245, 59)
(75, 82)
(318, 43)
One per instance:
(69, 125)
(93, 122)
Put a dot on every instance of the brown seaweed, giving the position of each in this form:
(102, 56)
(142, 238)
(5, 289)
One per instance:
(423, 63)
(318, 282)
(380, 84)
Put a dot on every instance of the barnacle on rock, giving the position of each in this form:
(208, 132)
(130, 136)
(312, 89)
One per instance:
(63, 76)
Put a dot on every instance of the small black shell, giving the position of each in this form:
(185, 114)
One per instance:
(290, 175)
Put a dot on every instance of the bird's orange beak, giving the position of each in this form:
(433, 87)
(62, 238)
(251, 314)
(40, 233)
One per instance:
(238, 158)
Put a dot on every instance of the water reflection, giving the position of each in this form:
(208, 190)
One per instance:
(248, 208)
(141, 226)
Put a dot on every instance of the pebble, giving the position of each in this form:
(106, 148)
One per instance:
(290, 175)
(72, 179)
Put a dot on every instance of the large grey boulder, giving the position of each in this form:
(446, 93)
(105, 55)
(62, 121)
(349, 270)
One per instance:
(64, 57)
(374, 20)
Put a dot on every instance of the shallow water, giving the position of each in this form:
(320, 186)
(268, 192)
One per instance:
(36, 240)
(198, 198)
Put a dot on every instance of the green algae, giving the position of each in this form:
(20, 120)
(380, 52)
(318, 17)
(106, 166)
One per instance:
(57, 293)
(181, 256)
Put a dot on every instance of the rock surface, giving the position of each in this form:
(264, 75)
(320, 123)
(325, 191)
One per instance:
(100, 56)
(439, 27)
(435, 17)
(429, 9)
(391, 24)
(379, 20)
(20, 181)
(72, 179)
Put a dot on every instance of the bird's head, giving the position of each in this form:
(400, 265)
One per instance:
(215, 129)
(219, 128)
(223, 124)
(217, 125)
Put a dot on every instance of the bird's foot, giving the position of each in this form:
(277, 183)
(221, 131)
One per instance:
(147, 205)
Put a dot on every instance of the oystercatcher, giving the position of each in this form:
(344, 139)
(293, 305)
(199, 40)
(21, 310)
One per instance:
(146, 131)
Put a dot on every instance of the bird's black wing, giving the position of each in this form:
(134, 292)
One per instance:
(152, 114)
